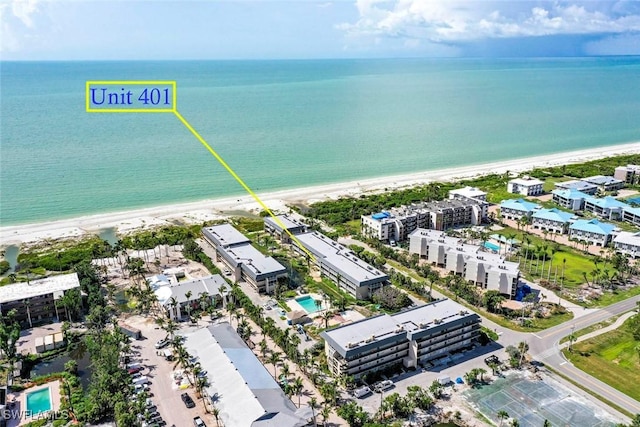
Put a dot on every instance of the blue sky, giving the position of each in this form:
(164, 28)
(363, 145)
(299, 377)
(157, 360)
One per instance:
(158, 29)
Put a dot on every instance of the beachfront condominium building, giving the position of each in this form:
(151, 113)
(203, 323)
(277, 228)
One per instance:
(397, 223)
(526, 186)
(592, 231)
(605, 183)
(468, 193)
(422, 336)
(578, 185)
(283, 226)
(627, 243)
(570, 199)
(605, 207)
(552, 220)
(180, 298)
(629, 174)
(517, 208)
(341, 265)
(244, 262)
(244, 392)
(486, 270)
(38, 300)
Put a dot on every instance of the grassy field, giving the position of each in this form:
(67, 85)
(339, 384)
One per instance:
(612, 358)
(577, 262)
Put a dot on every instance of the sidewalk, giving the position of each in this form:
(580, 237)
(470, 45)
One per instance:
(615, 325)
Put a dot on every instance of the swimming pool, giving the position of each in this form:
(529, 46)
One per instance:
(491, 246)
(308, 303)
(39, 401)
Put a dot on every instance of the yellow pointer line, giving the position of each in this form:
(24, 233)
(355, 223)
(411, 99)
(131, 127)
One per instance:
(241, 182)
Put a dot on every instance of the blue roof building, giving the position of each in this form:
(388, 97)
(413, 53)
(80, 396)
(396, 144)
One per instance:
(553, 220)
(570, 198)
(593, 231)
(632, 215)
(605, 207)
(517, 208)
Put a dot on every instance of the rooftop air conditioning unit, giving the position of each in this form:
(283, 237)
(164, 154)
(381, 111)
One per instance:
(371, 338)
(422, 325)
(437, 321)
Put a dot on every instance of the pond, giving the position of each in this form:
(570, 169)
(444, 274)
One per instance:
(78, 353)
(108, 235)
(11, 255)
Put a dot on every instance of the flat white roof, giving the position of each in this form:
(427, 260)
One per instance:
(339, 257)
(526, 181)
(48, 285)
(254, 260)
(286, 220)
(225, 235)
(469, 192)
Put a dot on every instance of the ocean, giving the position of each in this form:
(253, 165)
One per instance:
(287, 124)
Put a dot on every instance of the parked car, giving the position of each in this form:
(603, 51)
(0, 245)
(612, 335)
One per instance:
(383, 385)
(188, 401)
(361, 392)
(162, 343)
(197, 422)
(135, 370)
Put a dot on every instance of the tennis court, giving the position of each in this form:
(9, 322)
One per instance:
(531, 401)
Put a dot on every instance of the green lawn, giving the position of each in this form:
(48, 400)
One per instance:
(612, 358)
(577, 262)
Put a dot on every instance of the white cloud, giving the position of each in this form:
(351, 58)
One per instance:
(23, 10)
(17, 24)
(445, 21)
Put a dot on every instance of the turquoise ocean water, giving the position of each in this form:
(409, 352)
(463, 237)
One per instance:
(287, 124)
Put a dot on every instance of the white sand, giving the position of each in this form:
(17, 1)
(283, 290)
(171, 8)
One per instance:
(204, 210)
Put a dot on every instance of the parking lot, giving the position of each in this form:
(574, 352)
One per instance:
(164, 390)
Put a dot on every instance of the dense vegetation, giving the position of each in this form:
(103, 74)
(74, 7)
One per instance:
(340, 211)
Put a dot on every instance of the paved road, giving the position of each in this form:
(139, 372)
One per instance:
(544, 345)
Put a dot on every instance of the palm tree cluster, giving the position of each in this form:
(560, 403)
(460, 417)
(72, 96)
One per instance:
(471, 377)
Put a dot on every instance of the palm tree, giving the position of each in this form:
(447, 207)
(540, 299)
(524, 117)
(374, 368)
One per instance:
(298, 386)
(502, 415)
(274, 359)
(263, 348)
(546, 423)
(285, 371)
(523, 347)
(313, 404)
(27, 304)
(216, 414)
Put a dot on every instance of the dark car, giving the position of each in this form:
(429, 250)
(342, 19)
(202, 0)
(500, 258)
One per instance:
(134, 370)
(188, 401)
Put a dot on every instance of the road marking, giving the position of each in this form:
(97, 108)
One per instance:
(537, 336)
(563, 363)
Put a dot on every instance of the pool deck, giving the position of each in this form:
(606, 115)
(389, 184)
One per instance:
(19, 415)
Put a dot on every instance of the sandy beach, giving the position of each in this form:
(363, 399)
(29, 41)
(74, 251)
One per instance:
(205, 210)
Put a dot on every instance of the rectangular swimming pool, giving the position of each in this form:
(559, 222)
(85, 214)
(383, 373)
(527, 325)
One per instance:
(491, 246)
(39, 401)
(308, 303)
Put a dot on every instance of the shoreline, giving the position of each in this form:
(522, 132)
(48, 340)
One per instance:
(277, 201)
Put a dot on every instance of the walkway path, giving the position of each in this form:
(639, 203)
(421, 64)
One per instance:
(612, 327)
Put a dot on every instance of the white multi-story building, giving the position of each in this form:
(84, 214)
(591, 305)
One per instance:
(397, 223)
(517, 208)
(592, 231)
(552, 220)
(411, 338)
(526, 186)
(283, 227)
(245, 262)
(627, 243)
(631, 215)
(486, 270)
(341, 265)
(629, 174)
